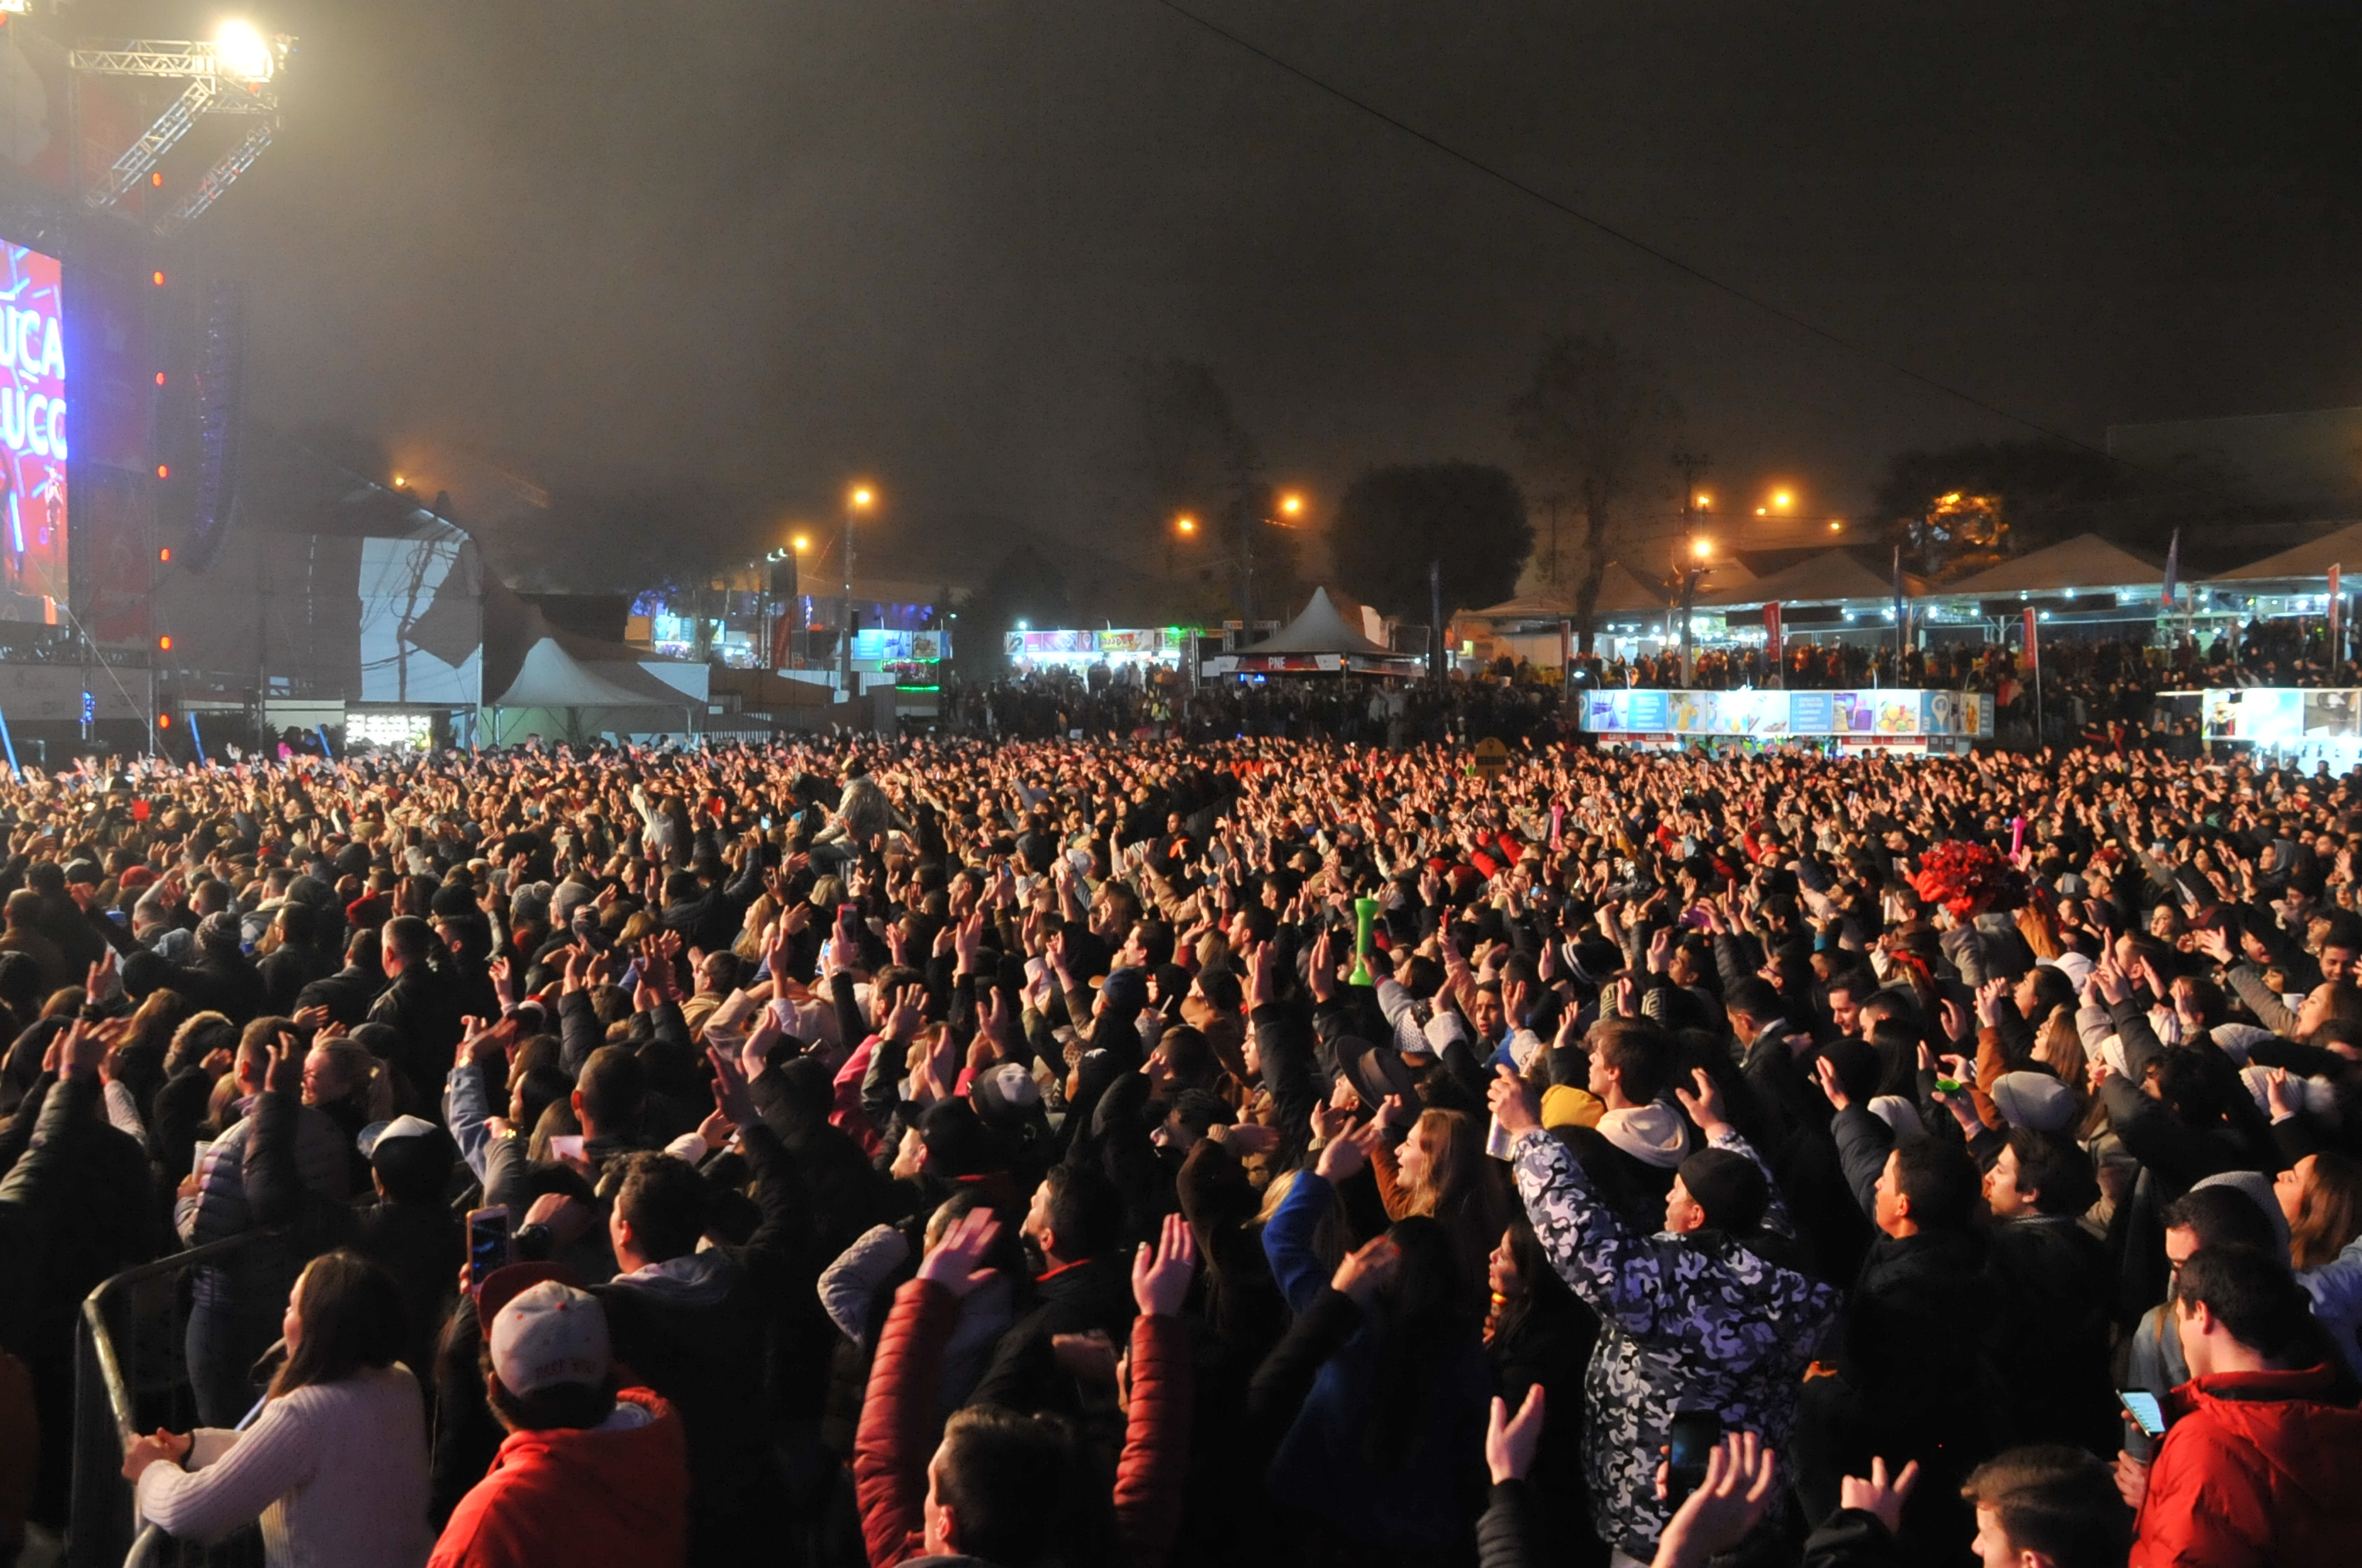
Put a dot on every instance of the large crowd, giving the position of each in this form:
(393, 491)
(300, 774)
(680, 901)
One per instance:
(1114, 1150)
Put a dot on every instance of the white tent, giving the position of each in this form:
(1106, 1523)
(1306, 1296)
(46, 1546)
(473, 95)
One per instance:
(1319, 630)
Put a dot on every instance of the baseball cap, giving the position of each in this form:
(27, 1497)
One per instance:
(377, 1133)
(548, 1334)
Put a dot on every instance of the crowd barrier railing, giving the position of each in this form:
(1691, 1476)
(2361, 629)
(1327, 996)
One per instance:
(130, 1377)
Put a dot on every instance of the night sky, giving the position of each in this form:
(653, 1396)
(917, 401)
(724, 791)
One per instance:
(772, 245)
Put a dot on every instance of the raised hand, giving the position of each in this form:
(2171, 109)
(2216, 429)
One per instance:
(1511, 1442)
(1704, 1107)
(1512, 1101)
(1878, 1497)
(1716, 1518)
(1161, 1273)
(1347, 1154)
(1363, 1273)
(956, 1262)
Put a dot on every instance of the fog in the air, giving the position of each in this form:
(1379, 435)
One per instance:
(740, 249)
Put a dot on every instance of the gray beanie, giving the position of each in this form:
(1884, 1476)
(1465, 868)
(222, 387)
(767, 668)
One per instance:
(2034, 1100)
(568, 897)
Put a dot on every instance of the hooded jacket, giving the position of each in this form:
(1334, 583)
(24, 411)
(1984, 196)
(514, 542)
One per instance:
(614, 1495)
(1696, 1323)
(2257, 1467)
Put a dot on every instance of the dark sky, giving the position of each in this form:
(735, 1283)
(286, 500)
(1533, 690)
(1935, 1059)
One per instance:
(772, 245)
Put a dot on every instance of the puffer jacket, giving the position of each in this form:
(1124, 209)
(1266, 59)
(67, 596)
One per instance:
(259, 1277)
(2257, 1467)
(899, 1427)
(1696, 1323)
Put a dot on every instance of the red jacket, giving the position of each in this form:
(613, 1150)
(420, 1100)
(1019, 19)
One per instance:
(899, 1430)
(2256, 1470)
(602, 1498)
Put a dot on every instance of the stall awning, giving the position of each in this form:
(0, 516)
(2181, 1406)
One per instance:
(2084, 561)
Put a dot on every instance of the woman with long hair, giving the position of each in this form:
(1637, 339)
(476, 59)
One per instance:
(2321, 1198)
(333, 1462)
(1439, 1172)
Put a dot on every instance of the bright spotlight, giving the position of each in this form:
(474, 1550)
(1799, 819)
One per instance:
(1703, 548)
(861, 495)
(243, 52)
(1782, 500)
(802, 542)
(1292, 505)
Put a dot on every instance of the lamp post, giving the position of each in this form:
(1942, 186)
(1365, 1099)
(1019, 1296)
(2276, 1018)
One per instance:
(1697, 567)
(1291, 506)
(856, 503)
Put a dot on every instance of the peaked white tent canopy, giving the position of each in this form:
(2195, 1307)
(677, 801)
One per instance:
(2084, 561)
(1319, 629)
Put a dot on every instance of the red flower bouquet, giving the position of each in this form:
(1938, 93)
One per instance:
(1968, 879)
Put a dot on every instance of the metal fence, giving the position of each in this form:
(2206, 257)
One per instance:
(131, 1377)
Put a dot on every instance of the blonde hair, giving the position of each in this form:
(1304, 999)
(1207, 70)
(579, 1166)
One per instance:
(372, 1086)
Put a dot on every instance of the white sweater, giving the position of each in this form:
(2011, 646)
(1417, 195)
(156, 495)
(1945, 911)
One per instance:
(337, 1472)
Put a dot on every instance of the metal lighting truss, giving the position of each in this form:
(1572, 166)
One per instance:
(213, 89)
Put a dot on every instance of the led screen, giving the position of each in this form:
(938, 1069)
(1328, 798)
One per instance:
(32, 438)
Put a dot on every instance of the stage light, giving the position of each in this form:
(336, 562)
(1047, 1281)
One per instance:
(163, 470)
(159, 280)
(159, 378)
(164, 644)
(163, 721)
(243, 52)
(157, 179)
(164, 556)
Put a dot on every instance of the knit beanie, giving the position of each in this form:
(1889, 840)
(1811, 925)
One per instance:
(1730, 1188)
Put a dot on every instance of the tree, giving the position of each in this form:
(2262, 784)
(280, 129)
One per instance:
(1191, 457)
(1395, 520)
(1974, 503)
(1026, 586)
(1595, 421)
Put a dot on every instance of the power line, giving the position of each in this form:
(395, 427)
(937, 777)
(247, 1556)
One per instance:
(1632, 241)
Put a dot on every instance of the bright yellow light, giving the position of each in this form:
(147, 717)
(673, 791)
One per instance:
(399, 481)
(1186, 524)
(1291, 505)
(244, 52)
(1836, 525)
(1703, 548)
(802, 542)
(861, 495)
(1706, 501)
(1782, 500)
(1759, 512)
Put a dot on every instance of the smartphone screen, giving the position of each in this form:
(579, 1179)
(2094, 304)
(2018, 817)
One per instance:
(489, 1245)
(1694, 1435)
(2145, 1412)
(565, 1146)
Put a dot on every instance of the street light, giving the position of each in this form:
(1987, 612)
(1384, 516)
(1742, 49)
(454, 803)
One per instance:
(1782, 500)
(860, 500)
(1292, 503)
(1703, 548)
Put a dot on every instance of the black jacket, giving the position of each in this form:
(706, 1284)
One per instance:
(1023, 1376)
(697, 1338)
(2047, 1342)
(420, 1246)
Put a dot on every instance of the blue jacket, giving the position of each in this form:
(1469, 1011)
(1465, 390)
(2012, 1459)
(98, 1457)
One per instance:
(1323, 1464)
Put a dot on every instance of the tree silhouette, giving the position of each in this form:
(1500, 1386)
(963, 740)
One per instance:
(1596, 421)
(1468, 517)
